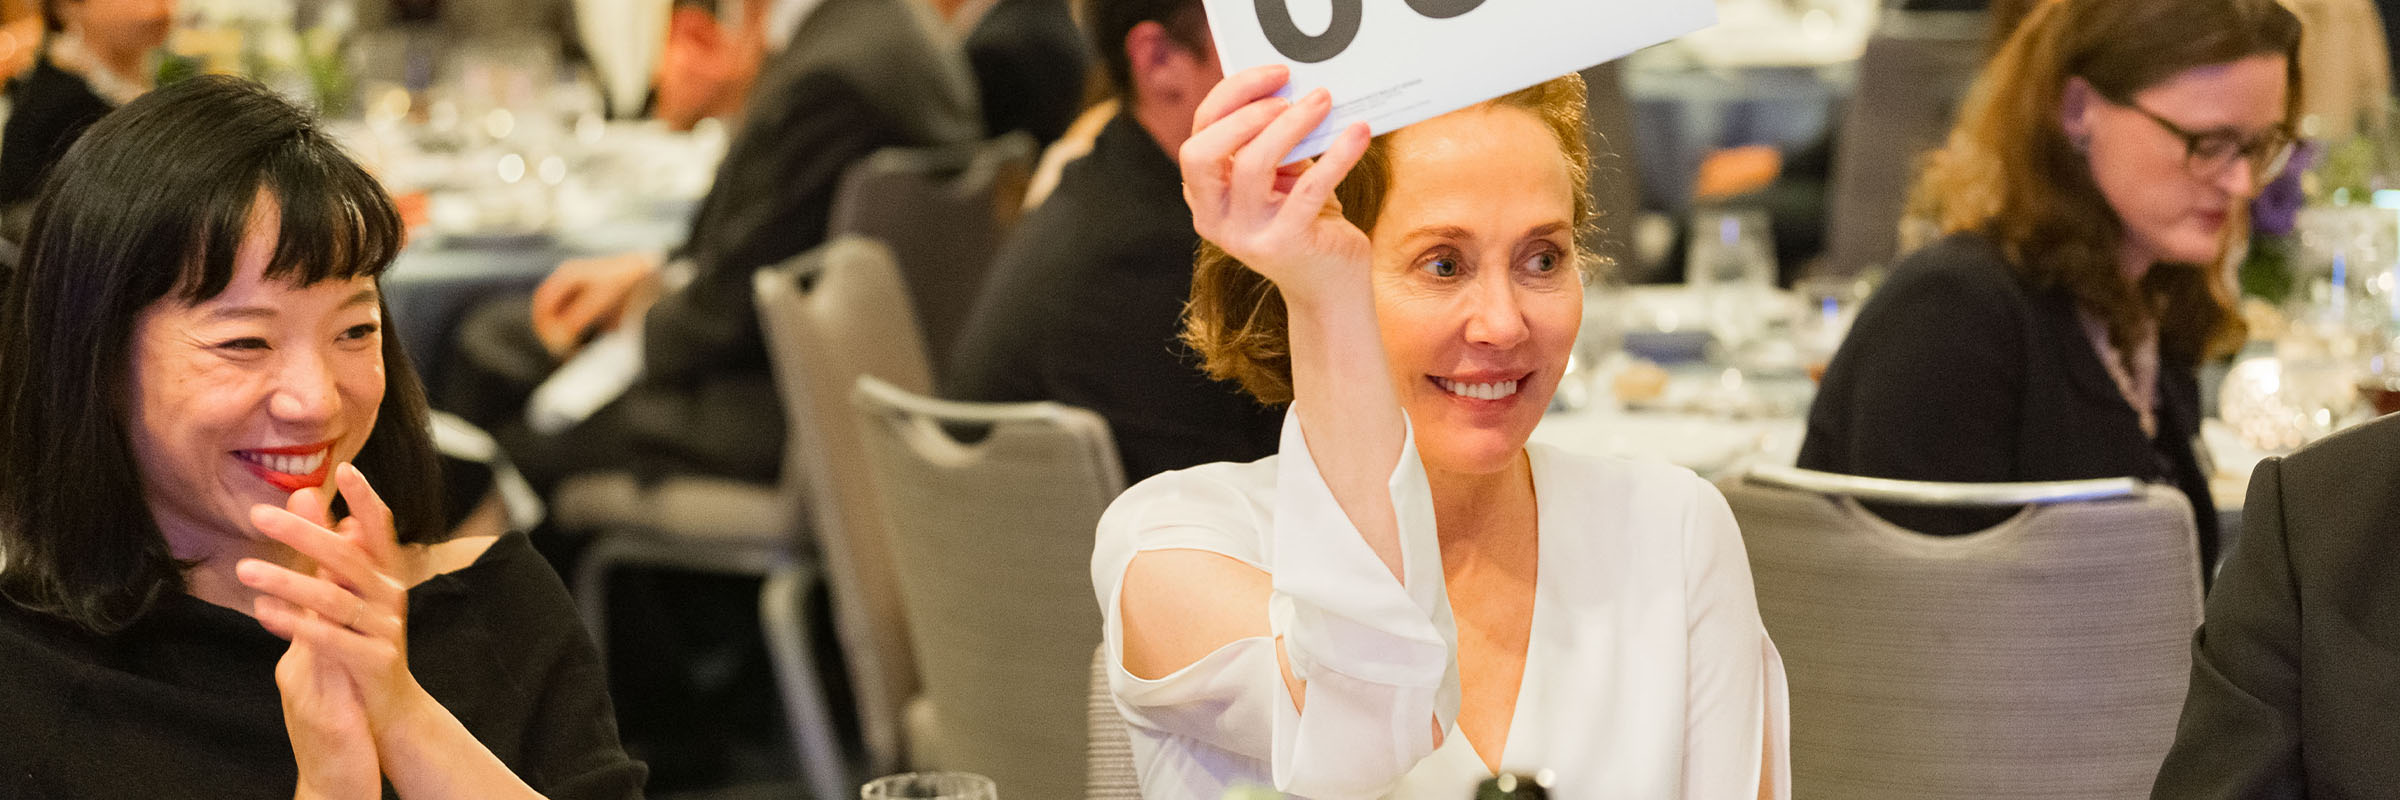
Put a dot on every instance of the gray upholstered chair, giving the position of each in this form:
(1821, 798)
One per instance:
(827, 322)
(1108, 758)
(944, 212)
(2045, 657)
(1914, 74)
(826, 315)
(992, 541)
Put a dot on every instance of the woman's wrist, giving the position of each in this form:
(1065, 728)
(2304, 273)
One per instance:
(405, 718)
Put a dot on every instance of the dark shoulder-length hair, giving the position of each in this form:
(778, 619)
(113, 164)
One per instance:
(2008, 170)
(149, 206)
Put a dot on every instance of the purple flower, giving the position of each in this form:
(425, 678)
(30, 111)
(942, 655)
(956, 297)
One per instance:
(2277, 208)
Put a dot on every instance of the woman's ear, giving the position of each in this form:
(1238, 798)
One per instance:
(2075, 102)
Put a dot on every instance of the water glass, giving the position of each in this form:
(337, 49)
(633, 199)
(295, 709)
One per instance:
(930, 786)
(1729, 247)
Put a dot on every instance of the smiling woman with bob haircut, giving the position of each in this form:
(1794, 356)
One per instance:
(192, 360)
(1408, 598)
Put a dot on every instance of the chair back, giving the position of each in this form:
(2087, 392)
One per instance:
(943, 211)
(992, 540)
(831, 315)
(1108, 760)
(2046, 657)
(1914, 74)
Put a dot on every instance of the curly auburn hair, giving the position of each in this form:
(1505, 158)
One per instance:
(1236, 320)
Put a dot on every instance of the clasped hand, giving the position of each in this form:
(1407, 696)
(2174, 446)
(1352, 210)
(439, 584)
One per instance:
(345, 680)
(1279, 220)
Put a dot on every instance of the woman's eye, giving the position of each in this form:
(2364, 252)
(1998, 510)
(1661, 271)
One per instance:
(1543, 262)
(246, 343)
(357, 332)
(1442, 266)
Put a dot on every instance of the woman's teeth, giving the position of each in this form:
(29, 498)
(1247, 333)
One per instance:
(1478, 391)
(288, 465)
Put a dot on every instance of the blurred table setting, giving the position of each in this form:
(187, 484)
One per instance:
(504, 167)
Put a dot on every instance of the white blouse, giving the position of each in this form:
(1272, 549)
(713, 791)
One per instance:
(1648, 674)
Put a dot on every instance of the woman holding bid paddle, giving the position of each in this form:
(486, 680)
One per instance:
(1409, 598)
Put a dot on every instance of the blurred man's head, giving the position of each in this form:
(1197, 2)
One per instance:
(712, 57)
(1159, 60)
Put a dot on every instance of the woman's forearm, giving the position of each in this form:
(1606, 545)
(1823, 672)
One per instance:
(428, 755)
(1348, 410)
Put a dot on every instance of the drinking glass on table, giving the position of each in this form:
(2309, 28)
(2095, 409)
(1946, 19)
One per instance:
(1730, 262)
(930, 786)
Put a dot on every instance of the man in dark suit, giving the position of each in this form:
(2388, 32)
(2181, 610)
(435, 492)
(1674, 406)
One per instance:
(2296, 671)
(1085, 301)
(854, 76)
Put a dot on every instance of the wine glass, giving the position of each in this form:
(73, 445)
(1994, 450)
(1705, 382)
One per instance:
(930, 786)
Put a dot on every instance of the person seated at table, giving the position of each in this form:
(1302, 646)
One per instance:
(846, 78)
(1091, 321)
(2055, 331)
(2292, 673)
(1408, 597)
(1029, 63)
(96, 57)
(193, 364)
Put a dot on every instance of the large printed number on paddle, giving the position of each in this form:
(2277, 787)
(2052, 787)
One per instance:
(1275, 19)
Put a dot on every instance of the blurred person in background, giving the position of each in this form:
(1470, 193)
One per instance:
(1086, 299)
(1029, 61)
(835, 80)
(838, 80)
(193, 361)
(2084, 198)
(98, 55)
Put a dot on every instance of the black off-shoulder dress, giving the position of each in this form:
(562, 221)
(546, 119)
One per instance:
(184, 704)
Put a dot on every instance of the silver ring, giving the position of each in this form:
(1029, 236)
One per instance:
(356, 613)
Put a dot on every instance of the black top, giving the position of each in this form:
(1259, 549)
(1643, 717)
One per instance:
(184, 704)
(1029, 64)
(1083, 306)
(2296, 671)
(52, 107)
(1957, 370)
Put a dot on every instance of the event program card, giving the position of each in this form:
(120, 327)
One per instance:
(1394, 62)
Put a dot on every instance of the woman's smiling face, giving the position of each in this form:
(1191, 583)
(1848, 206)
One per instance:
(1477, 290)
(244, 397)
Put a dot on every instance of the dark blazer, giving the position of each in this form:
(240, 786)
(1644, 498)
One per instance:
(53, 106)
(2296, 672)
(1029, 62)
(1083, 307)
(1957, 370)
(857, 76)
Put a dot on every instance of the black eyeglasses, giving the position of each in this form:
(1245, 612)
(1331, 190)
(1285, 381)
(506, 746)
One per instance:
(2209, 154)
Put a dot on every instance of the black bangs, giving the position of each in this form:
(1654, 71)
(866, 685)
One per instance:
(334, 221)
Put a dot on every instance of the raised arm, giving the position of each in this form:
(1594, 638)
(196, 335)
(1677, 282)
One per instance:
(1351, 627)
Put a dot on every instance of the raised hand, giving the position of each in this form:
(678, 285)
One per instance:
(333, 742)
(351, 612)
(1280, 221)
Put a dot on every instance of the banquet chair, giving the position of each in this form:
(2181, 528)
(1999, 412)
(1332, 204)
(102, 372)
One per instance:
(2045, 657)
(736, 527)
(1108, 758)
(991, 542)
(825, 328)
(944, 212)
(1914, 74)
